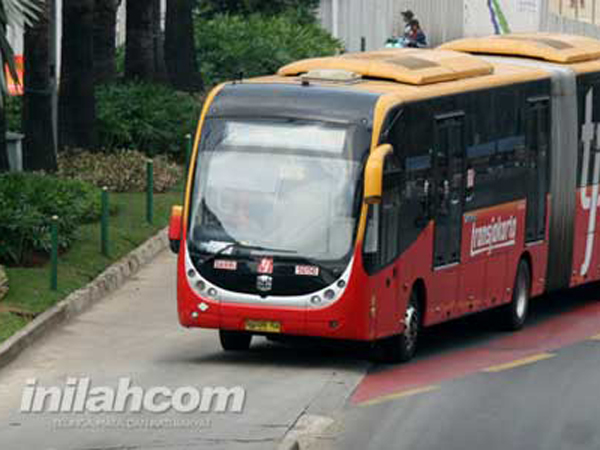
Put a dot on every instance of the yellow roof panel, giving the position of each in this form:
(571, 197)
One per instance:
(409, 66)
(558, 48)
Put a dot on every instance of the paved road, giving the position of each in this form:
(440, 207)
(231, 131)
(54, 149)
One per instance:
(473, 388)
(470, 387)
(134, 333)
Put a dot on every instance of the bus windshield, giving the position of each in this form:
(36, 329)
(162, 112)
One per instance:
(287, 186)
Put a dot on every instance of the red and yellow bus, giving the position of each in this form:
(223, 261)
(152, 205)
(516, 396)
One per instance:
(366, 196)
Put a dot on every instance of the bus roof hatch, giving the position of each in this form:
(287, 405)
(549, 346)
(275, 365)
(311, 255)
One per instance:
(410, 66)
(558, 48)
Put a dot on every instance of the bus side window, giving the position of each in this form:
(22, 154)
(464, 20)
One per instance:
(417, 189)
(390, 211)
(480, 174)
(383, 223)
(412, 138)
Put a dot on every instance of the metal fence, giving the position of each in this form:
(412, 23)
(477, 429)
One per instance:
(377, 20)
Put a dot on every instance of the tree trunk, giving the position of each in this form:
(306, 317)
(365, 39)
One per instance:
(139, 47)
(180, 49)
(77, 106)
(160, 69)
(39, 152)
(105, 36)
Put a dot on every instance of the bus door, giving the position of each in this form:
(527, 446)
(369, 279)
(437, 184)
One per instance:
(448, 203)
(449, 188)
(538, 144)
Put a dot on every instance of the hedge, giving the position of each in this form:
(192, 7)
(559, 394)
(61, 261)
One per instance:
(27, 204)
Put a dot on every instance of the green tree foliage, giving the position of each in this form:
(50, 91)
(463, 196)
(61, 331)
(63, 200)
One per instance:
(147, 117)
(256, 45)
(304, 8)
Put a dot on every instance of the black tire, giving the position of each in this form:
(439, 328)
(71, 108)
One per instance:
(236, 341)
(514, 315)
(402, 347)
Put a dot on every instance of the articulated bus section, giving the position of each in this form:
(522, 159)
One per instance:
(586, 257)
(573, 59)
(367, 196)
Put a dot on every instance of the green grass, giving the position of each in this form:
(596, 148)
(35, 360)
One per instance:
(30, 287)
(11, 323)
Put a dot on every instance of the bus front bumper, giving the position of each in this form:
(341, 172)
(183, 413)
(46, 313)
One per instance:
(326, 323)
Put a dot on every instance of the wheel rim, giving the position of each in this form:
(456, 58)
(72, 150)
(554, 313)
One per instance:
(521, 298)
(411, 330)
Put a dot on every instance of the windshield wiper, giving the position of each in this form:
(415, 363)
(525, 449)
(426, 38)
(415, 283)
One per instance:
(239, 245)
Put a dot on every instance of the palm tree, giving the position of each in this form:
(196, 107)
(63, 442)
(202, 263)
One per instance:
(39, 150)
(105, 26)
(77, 105)
(140, 51)
(14, 13)
(180, 50)
(160, 68)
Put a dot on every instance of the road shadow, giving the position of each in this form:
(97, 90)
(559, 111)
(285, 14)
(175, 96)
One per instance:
(469, 332)
(482, 328)
(290, 352)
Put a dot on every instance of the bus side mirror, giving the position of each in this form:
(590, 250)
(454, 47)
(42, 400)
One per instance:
(175, 228)
(374, 174)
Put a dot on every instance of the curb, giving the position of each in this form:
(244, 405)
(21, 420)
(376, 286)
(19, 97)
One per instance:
(306, 427)
(79, 301)
(289, 444)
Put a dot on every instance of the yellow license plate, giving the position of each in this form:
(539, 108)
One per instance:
(263, 326)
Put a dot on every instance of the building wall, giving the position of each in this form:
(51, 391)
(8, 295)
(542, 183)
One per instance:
(482, 18)
(377, 20)
(573, 17)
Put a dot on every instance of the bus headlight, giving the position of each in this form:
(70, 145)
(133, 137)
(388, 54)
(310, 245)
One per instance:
(201, 285)
(329, 294)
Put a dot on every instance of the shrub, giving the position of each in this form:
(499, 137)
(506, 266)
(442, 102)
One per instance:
(120, 171)
(27, 204)
(14, 105)
(3, 283)
(256, 45)
(146, 117)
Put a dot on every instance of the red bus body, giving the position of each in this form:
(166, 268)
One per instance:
(492, 244)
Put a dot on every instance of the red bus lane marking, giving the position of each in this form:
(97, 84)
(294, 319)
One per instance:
(560, 331)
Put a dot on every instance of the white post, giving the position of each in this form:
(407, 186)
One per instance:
(335, 17)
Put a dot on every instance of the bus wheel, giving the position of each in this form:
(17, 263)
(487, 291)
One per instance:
(515, 313)
(402, 347)
(234, 340)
